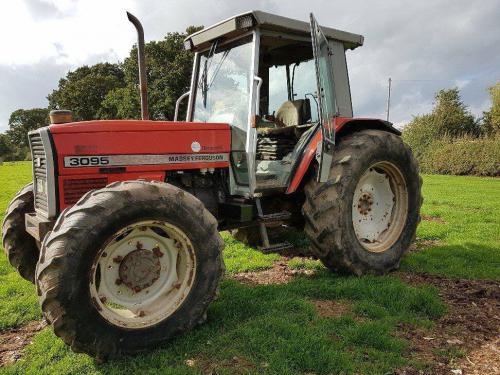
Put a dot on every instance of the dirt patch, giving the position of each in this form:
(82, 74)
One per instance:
(421, 244)
(280, 273)
(470, 328)
(435, 219)
(13, 341)
(485, 360)
(236, 365)
(332, 308)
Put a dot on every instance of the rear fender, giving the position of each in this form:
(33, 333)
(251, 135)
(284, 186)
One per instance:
(343, 127)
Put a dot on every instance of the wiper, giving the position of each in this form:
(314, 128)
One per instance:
(203, 84)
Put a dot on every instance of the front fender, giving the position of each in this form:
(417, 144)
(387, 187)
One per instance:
(343, 127)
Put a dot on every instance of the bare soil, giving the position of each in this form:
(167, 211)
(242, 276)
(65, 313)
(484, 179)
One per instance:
(13, 341)
(332, 308)
(466, 339)
(422, 244)
(280, 273)
(435, 219)
(235, 365)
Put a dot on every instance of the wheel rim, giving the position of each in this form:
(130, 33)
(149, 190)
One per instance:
(380, 206)
(142, 274)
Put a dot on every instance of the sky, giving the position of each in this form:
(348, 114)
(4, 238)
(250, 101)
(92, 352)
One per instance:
(422, 45)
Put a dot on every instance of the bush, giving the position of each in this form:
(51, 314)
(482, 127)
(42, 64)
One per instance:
(463, 156)
(449, 118)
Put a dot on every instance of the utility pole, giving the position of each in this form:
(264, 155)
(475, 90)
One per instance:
(389, 99)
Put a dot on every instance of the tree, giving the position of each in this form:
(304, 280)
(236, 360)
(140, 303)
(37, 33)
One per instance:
(5, 147)
(83, 90)
(491, 118)
(168, 73)
(450, 117)
(23, 121)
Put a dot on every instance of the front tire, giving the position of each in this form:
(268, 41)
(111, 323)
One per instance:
(20, 247)
(364, 218)
(129, 267)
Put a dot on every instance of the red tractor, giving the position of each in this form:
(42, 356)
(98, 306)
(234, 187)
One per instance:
(120, 227)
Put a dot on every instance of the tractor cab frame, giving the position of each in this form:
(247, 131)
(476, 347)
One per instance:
(277, 82)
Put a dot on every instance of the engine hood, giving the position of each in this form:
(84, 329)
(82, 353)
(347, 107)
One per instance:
(98, 126)
(135, 145)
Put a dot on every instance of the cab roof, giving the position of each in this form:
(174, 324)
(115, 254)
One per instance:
(239, 24)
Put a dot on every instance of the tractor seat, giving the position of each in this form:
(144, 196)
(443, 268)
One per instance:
(294, 112)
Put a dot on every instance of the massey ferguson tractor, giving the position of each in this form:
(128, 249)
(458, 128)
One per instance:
(120, 228)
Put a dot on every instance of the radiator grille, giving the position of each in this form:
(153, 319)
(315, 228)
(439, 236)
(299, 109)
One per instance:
(39, 171)
(74, 189)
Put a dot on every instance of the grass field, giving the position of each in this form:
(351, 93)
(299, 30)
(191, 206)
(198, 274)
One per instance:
(277, 328)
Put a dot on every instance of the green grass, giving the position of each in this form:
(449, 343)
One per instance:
(468, 239)
(19, 300)
(276, 329)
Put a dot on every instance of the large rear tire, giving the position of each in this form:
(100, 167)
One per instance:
(364, 218)
(129, 267)
(20, 247)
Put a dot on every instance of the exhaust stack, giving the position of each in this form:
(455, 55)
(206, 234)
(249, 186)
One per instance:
(141, 58)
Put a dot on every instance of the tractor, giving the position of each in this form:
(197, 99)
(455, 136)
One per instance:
(119, 229)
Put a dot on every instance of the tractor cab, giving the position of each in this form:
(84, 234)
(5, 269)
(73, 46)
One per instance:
(278, 82)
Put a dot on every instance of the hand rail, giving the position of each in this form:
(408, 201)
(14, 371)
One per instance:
(178, 103)
(257, 99)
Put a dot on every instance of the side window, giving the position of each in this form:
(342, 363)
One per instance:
(303, 86)
(277, 88)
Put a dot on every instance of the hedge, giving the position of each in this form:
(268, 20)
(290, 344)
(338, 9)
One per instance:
(463, 156)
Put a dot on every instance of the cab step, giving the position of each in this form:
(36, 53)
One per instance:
(265, 220)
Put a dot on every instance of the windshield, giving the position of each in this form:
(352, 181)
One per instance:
(223, 84)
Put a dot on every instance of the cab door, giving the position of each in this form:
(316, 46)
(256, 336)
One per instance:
(326, 98)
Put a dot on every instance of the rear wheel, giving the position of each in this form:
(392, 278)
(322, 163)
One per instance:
(20, 247)
(364, 218)
(129, 267)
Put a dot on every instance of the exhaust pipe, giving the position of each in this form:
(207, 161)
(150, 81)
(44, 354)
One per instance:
(141, 58)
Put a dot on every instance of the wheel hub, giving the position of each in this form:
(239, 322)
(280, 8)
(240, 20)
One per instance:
(379, 206)
(365, 203)
(142, 274)
(139, 269)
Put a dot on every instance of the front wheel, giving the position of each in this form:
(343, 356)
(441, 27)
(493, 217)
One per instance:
(129, 267)
(364, 218)
(20, 247)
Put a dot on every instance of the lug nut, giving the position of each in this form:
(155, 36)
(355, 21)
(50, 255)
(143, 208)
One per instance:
(117, 259)
(118, 281)
(157, 252)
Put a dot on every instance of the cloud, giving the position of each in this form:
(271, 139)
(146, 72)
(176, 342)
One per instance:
(26, 86)
(423, 46)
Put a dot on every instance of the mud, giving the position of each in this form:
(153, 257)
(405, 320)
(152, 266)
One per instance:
(332, 308)
(280, 273)
(466, 338)
(13, 341)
